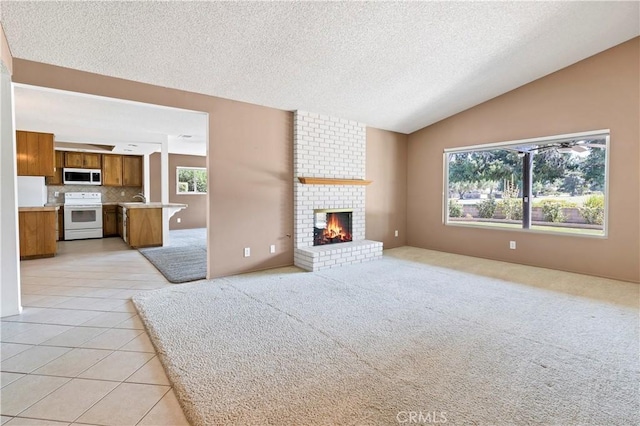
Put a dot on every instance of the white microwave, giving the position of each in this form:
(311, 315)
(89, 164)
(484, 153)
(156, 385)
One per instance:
(82, 176)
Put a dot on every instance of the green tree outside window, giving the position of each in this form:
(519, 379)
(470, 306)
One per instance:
(191, 180)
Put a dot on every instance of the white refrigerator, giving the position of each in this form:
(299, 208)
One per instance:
(32, 192)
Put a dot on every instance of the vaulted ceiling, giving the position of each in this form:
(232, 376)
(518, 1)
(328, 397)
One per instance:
(393, 65)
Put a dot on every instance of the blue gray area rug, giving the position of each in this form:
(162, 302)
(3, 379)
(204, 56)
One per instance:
(184, 259)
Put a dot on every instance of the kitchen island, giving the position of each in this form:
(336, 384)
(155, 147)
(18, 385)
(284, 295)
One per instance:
(145, 224)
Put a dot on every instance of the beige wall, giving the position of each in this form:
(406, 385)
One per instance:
(601, 92)
(250, 163)
(252, 177)
(194, 216)
(386, 198)
(5, 52)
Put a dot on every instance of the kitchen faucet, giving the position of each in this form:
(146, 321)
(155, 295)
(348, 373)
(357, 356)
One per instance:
(141, 196)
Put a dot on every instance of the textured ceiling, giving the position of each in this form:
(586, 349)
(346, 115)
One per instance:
(393, 65)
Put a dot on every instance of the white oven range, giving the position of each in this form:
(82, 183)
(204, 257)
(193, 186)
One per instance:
(82, 215)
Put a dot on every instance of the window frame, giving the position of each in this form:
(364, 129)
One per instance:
(178, 168)
(603, 134)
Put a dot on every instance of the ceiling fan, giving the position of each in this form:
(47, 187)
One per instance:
(564, 147)
(578, 146)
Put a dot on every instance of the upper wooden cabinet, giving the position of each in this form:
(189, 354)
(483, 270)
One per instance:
(131, 170)
(112, 170)
(92, 161)
(34, 154)
(56, 179)
(121, 170)
(73, 159)
(82, 160)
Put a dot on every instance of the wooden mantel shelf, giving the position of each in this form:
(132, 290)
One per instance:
(330, 181)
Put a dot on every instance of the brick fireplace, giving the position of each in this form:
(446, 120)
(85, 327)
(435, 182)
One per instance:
(329, 157)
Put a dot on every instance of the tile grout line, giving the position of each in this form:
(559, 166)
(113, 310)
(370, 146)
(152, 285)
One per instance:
(154, 405)
(40, 398)
(68, 294)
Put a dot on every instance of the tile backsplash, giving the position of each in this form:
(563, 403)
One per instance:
(109, 193)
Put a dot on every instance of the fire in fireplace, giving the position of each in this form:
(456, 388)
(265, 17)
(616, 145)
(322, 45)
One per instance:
(331, 226)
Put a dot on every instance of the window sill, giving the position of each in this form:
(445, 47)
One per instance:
(515, 227)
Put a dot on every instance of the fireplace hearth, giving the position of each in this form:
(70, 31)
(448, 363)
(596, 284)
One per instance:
(331, 226)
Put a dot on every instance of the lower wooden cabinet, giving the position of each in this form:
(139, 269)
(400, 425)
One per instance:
(61, 224)
(109, 221)
(37, 233)
(144, 227)
(119, 222)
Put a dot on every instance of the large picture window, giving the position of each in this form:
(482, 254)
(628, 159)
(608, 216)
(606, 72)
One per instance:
(191, 180)
(555, 184)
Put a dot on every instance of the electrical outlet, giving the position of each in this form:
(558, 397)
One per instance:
(122, 193)
(56, 194)
(396, 233)
(512, 245)
(272, 248)
(247, 251)
(179, 220)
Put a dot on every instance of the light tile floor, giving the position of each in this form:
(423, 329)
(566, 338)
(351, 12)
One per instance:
(78, 353)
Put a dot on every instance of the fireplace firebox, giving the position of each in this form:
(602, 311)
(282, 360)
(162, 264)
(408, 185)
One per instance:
(331, 226)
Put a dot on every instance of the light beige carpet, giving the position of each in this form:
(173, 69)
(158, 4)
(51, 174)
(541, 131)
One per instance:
(377, 343)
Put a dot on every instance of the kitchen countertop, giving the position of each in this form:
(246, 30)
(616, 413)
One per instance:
(38, 209)
(127, 204)
(155, 205)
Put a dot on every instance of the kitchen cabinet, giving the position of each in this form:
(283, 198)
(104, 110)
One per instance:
(37, 230)
(73, 159)
(131, 170)
(121, 170)
(61, 224)
(78, 160)
(144, 227)
(112, 170)
(56, 179)
(92, 160)
(82, 160)
(109, 221)
(120, 222)
(34, 154)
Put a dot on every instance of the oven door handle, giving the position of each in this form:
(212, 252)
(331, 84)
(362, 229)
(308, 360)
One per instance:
(83, 208)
